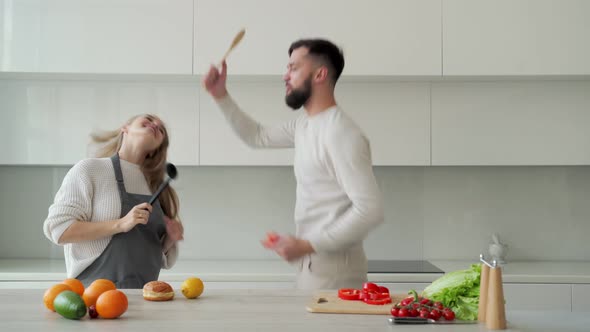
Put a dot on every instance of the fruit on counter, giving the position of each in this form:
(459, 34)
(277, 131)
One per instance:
(92, 311)
(70, 305)
(111, 304)
(96, 288)
(72, 301)
(416, 306)
(52, 292)
(448, 314)
(371, 293)
(458, 291)
(192, 288)
(107, 282)
(76, 285)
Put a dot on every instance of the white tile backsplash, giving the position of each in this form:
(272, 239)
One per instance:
(540, 212)
(430, 212)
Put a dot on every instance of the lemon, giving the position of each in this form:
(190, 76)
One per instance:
(192, 288)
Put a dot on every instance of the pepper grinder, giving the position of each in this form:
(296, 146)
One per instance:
(495, 316)
(483, 290)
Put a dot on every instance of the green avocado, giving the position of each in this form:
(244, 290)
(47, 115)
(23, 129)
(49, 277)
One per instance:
(70, 305)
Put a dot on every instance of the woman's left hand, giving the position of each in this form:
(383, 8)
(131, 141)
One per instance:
(174, 229)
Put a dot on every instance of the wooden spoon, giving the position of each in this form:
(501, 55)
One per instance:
(234, 43)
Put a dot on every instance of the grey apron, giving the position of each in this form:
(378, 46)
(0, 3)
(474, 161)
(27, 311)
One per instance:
(134, 258)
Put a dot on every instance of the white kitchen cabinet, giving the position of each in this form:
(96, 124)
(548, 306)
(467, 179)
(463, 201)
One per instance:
(581, 298)
(49, 122)
(264, 102)
(395, 117)
(96, 36)
(556, 297)
(378, 37)
(511, 123)
(516, 37)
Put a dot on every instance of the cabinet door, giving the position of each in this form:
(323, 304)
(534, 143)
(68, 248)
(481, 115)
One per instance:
(264, 102)
(49, 122)
(378, 37)
(97, 36)
(516, 37)
(511, 123)
(555, 297)
(581, 298)
(395, 117)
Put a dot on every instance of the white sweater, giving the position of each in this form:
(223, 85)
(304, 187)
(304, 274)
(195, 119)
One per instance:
(89, 193)
(338, 200)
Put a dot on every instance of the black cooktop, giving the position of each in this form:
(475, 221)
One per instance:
(400, 266)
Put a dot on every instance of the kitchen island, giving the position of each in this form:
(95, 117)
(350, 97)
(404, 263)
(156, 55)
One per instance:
(243, 310)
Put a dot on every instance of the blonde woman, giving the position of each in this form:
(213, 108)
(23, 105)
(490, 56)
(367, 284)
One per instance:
(101, 216)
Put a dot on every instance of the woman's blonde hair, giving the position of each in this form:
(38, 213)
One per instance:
(153, 167)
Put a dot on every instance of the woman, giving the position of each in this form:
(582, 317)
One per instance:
(101, 215)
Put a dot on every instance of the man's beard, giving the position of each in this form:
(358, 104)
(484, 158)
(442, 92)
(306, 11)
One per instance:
(299, 97)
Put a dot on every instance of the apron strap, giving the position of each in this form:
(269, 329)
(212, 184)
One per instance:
(119, 174)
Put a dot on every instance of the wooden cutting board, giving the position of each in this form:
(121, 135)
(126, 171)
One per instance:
(330, 303)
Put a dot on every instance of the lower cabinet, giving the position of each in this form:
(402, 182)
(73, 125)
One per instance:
(538, 296)
(581, 298)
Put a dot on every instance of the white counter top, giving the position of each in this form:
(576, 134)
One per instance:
(221, 270)
(244, 311)
(570, 272)
(279, 271)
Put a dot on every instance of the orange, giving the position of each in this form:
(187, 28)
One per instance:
(95, 289)
(76, 285)
(52, 292)
(104, 281)
(111, 304)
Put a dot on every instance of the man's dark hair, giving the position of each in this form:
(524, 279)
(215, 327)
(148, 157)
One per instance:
(326, 51)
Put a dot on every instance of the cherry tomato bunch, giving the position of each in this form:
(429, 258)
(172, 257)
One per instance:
(371, 293)
(416, 306)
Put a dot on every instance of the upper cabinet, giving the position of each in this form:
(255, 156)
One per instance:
(49, 122)
(412, 38)
(511, 123)
(220, 145)
(378, 37)
(395, 117)
(516, 37)
(96, 36)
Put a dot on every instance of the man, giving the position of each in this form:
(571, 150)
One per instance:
(338, 200)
